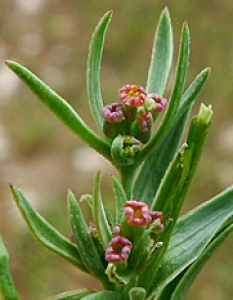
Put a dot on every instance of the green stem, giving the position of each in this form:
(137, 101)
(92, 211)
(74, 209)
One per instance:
(127, 178)
(7, 287)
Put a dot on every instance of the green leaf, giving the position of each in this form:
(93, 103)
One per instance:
(93, 68)
(61, 109)
(120, 199)
(162, 55)
(175, 184)
(85, 244)
(100, 218)
(192, 272)
(104, 295)
(192, 235)
(174, 103)
(71, 295)
(155, 166)
(7, 287)
(45, 233)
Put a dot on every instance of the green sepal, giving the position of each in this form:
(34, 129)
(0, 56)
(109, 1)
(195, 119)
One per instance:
(7, 287)
(100, 217)
(120, 197)
(45, 233)
(84, 242)
(71, 295)
(61, 109)
(103, 295)
(137, 293)
(93, 68)
(162, 56)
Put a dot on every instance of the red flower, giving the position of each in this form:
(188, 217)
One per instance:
(112, 113)
(118, 249)
(132, 95)
(154, 103)
(144, 119)
(137, 213)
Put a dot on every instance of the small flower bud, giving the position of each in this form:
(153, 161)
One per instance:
(118, 249)
(132, 95)
(112, 113)
(155, 104)
(124, 149)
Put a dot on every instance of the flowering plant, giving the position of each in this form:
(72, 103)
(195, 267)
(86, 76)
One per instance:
(145, 250)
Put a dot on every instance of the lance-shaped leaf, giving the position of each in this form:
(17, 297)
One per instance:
(100, 217)
(71, 295)
(178, 287)
(84, 242)
(192, 235)
(120, 197)
(61, 109)
(7, 287)
(162, 55)
(103, 295)
(155, 166)
(174, 103)
(45, 233)
(93, 68)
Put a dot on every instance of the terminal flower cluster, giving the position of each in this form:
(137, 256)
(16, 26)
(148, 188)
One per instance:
(135, 113)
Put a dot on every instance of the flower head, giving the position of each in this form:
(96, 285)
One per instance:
(118, 249)
(132, 95)
(137, 213)
(112, 112)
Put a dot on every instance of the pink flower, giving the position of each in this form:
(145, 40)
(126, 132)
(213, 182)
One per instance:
(118, 249)
(132, 95)
(112, 113)
(155, 104)
(144, 119)
(137, 213)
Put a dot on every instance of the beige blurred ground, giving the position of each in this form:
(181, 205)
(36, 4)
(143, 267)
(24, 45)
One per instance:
(41, 156)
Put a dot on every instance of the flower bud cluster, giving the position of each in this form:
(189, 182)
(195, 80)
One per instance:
(137, 214)
(134, 115)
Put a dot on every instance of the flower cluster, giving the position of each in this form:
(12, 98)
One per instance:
(134, 115)
(137, 214)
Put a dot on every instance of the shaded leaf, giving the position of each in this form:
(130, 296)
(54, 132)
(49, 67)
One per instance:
(7, 287)
(120, 197)
(71, 295)
(104, 295)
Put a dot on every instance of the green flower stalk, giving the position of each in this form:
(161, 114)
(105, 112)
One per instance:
(145, 250)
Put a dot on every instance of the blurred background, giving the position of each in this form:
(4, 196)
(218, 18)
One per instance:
(41, 156)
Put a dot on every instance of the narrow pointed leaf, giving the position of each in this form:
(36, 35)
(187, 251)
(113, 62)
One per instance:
(93, 68)
(192, 234)
(174, 103)
(7, 287)
(162, 55)
(71, 295)
(61, 109)
(100, 217)
(85, 244)
(45, 233)
(120, 199)
(192, 272)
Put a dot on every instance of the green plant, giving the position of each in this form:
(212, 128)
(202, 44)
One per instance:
(145, 250)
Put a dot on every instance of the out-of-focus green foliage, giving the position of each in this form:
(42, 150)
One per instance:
(52, 39)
